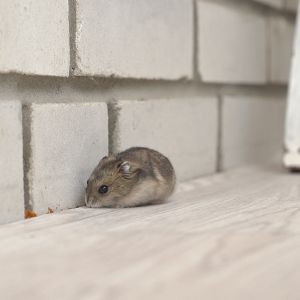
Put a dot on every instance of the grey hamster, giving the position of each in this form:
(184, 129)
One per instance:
(134, 177)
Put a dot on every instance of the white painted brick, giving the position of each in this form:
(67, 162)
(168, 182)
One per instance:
(135, 38)
(291, 5)
(184, 130)
(34, 37)
(11, 162)
(273, 3)
(231, 43)
(252, 130)
(281, 39)
(67, 141)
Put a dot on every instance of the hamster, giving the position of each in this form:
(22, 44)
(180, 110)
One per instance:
(137, 176)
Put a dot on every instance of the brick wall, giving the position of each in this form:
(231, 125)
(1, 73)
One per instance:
(202, 81)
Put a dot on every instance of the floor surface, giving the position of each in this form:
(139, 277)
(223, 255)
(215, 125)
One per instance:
(234, 235)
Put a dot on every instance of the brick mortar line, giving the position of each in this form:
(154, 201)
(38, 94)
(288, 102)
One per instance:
(107, 83)
(27, 155)
(113, 126)
(196, 49)
(219, 160)
(72, 36)
(71, 94)
(268, 49)
(257, 7)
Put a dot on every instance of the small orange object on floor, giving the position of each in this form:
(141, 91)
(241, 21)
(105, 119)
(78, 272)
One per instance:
(29, 214)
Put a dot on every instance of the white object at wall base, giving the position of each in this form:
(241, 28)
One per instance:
(292, 160)
(292, 129)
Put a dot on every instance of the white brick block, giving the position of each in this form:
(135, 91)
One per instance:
(67, 141)
(135, 38)
(281, 39)
(34, 37)
(252, 130)
(231, 44)
(273, 3)
(184, 130)
(11, 162)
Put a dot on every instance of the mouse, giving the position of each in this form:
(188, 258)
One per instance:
(137, 176)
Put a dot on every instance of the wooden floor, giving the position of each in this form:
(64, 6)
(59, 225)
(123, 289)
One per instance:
(231, 236)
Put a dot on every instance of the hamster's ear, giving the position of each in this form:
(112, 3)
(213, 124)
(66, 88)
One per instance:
(102, 160)
(125, 167)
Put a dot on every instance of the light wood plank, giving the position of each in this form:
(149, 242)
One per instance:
(230, 236)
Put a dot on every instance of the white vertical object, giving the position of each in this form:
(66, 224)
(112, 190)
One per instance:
(292, 131)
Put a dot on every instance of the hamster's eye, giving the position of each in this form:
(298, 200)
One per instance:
(103, 189)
